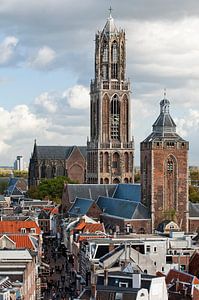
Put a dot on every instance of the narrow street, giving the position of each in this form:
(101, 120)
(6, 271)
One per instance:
(60, 282)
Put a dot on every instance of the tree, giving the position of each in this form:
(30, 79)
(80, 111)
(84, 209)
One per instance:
(137, 177)
(3, 186)
(194, 193)
(50, 188)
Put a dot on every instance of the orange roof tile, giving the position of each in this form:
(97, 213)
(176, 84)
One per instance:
(88, 237)
(92, 228)
(15, 226)
(21, 241)
(80, 226)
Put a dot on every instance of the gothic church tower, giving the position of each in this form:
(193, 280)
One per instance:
(164, 172)
(110, 149)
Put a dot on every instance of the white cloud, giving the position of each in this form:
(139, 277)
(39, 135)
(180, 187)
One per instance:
(47, 101)
(188, 124)
(43, 59)
(78, 97)
(7, 49)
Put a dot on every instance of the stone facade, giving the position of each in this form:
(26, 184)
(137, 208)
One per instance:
(110, 150)
(164, 172)
(52, 161)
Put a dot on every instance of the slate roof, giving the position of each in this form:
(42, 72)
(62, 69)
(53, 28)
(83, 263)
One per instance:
(124, 209)
(57, 152)
(80, 207)
(16, 187)
(128, 192)
(193, 210)
(89, 191)
(164, 127)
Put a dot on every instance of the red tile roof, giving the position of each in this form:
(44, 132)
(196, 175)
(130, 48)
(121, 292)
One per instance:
(92, 228)
(80, 226)
(52, 210)
(88, 237)
(21, 241)
(15, 226)
(182, 276)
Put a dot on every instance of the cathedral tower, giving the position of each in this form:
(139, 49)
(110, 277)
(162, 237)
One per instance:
(164, 172)
(110, 149)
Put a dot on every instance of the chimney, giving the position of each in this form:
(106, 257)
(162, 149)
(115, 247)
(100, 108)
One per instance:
(136, 280)
(93, 282)
(93, 291)
(105, 277)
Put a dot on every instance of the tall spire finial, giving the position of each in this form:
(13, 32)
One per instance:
(165, 93)
(110, 11)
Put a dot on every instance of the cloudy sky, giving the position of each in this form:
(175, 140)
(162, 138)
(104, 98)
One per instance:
(47, 61)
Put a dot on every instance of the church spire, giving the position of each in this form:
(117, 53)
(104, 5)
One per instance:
(110, 26)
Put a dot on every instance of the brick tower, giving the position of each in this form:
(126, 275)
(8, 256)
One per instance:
(164, 172)
(110, 149)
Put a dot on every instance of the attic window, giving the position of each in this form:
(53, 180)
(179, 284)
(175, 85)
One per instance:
(23, 230)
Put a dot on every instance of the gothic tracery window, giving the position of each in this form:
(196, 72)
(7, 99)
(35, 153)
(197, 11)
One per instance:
(126, 162)
(114, 61)
(170, 193)
(170, 165)
(115, 118)
(105, 53)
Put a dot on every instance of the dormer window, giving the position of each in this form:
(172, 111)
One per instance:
(23, 230)
(32, 230)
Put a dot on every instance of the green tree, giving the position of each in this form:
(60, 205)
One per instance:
(3, 186)
(50, 188)
(194, 193)
(137, 177)
(23, 173)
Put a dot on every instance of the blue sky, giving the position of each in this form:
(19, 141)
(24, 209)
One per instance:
(47, 62)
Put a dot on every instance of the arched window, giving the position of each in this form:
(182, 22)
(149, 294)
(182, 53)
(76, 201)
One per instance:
(105, 72)
(49, 172)
(125, 118)
(115, 118)
(126, 180)
(126, 162)
(101, 161)
(106, 181)
(105, 118)
(60, 171)
(114, 61)
(106, 162)
(43, 170)
(170, 190)
(105, 53)
(116, 163)
(114, 52)
(116, 181)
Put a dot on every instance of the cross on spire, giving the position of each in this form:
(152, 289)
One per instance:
(110, 11)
